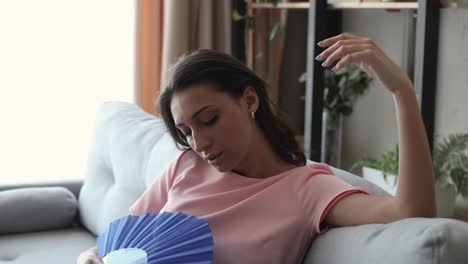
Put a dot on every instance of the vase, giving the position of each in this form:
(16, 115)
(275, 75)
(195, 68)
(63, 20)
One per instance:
(461, 206)
(332, 134)
(445, 194)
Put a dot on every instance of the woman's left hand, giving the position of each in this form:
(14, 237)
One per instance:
(363, 52)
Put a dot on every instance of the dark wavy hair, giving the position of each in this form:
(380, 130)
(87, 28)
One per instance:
(227, 74)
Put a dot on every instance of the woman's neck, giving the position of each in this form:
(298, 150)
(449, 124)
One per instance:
(261, 161)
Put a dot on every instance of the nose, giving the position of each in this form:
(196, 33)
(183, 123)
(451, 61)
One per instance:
(200, 142)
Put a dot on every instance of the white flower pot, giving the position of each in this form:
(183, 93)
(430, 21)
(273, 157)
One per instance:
(445, 195)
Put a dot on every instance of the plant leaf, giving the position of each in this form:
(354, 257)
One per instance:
(303, 77)
(273, 31)
(249, 23)
(450, 162)
(236, 16)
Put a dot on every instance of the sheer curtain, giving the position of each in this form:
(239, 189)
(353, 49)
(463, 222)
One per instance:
(59, 61)
(166, 30)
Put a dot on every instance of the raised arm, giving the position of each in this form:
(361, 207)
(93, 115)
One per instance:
(415, 196)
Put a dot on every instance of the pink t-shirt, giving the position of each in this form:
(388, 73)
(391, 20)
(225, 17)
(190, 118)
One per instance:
(270, 220)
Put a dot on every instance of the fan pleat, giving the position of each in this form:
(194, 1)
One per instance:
(165, 237)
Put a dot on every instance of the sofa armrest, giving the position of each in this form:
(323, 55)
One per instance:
(73, 185)
(412, 240)
(34, 209)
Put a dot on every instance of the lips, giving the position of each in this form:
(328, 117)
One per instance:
(214, 159)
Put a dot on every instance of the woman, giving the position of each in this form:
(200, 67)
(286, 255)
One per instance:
(244, 174)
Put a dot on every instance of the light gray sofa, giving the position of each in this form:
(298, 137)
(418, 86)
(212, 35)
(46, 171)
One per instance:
(130, 149)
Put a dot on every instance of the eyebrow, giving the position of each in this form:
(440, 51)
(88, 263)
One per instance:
(196, 113)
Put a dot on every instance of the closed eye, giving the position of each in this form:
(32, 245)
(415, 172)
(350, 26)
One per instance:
(212, 121)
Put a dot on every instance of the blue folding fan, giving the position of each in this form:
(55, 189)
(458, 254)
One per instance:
(165, 238)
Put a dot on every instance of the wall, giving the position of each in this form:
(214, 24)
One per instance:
(371, 129)
(452, 79)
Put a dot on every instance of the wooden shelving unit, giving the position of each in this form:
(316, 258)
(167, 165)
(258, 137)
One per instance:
(376, 5)
(297, 5)
(328, 16)
(456, 5)
(363, 5)
(425, 66)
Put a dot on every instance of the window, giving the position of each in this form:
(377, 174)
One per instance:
(59, 61)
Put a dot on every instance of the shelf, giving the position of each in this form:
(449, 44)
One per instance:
(364, 5)
(297, 5)
(456, 5)
(372, 5)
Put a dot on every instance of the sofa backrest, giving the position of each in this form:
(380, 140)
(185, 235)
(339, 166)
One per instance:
(130, 149)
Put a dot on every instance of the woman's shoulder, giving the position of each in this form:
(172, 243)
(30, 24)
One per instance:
(313, 169)
(188, 155)
(320, 167)
(188, 158)
(313, 165)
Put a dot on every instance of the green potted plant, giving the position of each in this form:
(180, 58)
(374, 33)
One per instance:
(341, 90)
(450, 163)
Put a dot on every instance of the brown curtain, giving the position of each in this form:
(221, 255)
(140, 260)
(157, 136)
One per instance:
(149, 49)
(267, 54)
(166, 30)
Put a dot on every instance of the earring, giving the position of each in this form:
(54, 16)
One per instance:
(252, 115)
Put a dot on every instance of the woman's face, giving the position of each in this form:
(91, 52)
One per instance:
(217, 127)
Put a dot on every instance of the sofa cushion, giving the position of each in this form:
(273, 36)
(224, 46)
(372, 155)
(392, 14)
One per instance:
(52, 247)
(36, 209)
(74, 185)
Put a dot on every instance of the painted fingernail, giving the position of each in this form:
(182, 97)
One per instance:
(320, 43)
(334, 68)
(324, 63)
(318, 57)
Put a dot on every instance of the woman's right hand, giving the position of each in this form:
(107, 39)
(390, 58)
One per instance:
(363, 52)
(89, 256)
